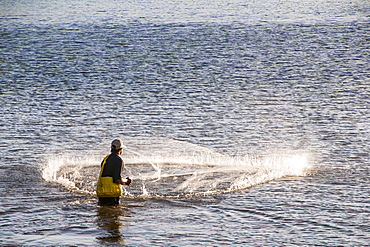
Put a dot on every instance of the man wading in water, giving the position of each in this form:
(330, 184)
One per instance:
(110, 181)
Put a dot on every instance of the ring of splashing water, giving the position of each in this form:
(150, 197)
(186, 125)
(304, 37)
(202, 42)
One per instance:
(165, 168)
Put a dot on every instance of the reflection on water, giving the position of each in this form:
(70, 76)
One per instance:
(110, 220)
(241, 78)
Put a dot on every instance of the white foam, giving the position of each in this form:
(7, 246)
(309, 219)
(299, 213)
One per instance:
(57, 167)
(244, 172)
(178, 172)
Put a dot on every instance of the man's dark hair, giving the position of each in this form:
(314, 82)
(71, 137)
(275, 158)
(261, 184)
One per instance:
(115, 150)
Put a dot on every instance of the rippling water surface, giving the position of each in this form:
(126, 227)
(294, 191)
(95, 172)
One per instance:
(246, 122)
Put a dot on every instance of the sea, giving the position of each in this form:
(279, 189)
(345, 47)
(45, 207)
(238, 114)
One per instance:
(246, 123)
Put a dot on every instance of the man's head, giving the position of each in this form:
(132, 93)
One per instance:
(117, 146)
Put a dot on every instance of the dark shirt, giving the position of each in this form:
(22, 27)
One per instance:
(113, 167)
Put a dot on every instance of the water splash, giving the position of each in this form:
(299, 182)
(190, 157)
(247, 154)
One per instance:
(164, 168)
(66, 171)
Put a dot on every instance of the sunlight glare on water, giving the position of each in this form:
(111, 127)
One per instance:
(65, 170)
(269, 93)
(191, 173)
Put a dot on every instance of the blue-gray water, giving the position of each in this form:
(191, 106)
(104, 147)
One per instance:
(246, 122)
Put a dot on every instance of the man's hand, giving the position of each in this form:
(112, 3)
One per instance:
(126, 181)
(129, 181)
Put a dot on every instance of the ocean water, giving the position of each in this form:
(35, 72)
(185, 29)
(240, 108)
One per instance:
(247, 123)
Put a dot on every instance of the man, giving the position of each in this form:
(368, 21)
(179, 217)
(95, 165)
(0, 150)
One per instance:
(112, 166)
